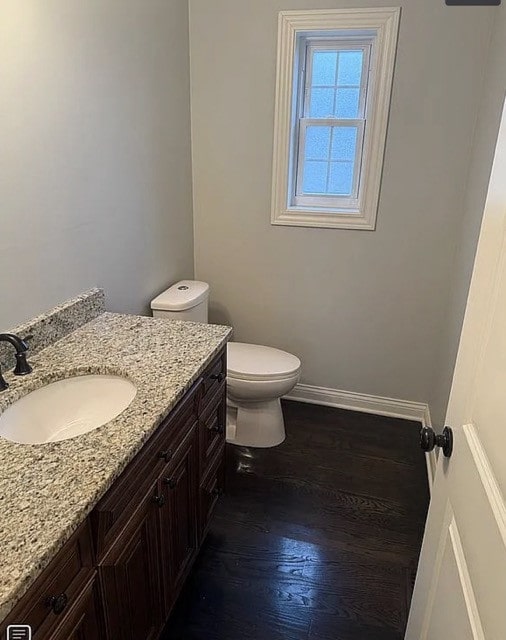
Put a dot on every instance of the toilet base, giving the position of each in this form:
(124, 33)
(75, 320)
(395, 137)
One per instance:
(255, 424)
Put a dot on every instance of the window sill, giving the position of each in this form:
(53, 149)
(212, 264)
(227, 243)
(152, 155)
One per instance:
(299, 217)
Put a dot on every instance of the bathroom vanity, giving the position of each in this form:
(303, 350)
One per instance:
(119, 514)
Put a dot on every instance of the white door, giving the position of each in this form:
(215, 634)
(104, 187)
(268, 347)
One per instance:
(460, 588)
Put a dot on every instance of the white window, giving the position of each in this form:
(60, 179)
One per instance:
(334, 78)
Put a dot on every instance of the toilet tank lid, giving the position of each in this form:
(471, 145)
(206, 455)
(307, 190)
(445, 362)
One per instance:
(185, 294)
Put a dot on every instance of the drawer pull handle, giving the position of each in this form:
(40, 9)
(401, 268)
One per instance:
(218, 376)
(57, 603)
(166, 455)
(217, 428)
(159, 500)
(170, 482)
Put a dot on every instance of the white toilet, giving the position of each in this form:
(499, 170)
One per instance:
(257, 376)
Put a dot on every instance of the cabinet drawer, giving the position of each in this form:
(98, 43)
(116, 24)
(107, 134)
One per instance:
(55, 592)
(212, 427)
(210, 490)
(115, 509)
(213, 377)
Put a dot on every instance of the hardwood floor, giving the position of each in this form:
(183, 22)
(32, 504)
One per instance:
(317, 539)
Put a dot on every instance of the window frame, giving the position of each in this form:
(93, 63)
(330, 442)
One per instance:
(299, 33)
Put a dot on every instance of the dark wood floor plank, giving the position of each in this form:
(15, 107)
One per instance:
(326, 431)
(388, 546)
(362, 478)
(334, 627)
(296, 490)
(314, 540)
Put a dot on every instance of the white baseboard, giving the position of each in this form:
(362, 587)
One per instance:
(418, 411)
(360, 402)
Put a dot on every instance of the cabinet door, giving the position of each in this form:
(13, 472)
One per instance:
(179, 519)
(129, 576)
(83, 621)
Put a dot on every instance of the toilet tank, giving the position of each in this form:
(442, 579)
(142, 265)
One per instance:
(185, 300)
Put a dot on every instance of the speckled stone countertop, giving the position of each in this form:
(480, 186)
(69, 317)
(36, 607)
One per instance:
(47, 490)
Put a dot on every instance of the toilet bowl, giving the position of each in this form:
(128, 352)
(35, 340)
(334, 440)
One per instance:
(257, 376)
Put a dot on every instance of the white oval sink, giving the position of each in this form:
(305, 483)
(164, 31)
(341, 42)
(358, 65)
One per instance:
(66, 409)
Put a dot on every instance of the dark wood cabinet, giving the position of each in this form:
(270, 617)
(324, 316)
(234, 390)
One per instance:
(58, 589)
(179, 520)
(119, 575)
(212, 379)
(84, 620)
(153, 462)
(212, 426)
(211, 488)
(129, 576)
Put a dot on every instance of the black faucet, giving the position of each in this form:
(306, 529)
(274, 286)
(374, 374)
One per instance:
(22, 366)
(3, 384)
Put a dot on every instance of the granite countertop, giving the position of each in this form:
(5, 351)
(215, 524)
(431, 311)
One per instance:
(47, 490)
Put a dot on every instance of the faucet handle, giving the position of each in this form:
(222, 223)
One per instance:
(22, 367)
(3, 383)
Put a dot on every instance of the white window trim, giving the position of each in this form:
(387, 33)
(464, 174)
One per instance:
(383, 24)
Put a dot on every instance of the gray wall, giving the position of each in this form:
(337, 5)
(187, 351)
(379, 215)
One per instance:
(489, 117)
(364, 310)
(95, 168)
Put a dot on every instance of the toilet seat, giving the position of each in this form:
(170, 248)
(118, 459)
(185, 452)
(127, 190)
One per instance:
(255, 362)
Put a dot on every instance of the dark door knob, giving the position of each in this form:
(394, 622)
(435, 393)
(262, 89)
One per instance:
(57, 603)
(430, 439)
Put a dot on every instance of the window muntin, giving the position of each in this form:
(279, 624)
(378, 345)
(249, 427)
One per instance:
(330, 121)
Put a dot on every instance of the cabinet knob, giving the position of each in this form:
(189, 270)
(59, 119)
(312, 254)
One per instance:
(170, 482)
(166, 455)
(216, 491)
(57, 603)
(218, 376)
(159, 500)
(217, 428)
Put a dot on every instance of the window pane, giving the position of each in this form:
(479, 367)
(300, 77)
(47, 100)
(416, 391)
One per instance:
(322, 103)
(317, 143)
(341, 178)
(350, 67)
(315, 177)
(344, 143)
(346, 103)
(324, 68)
